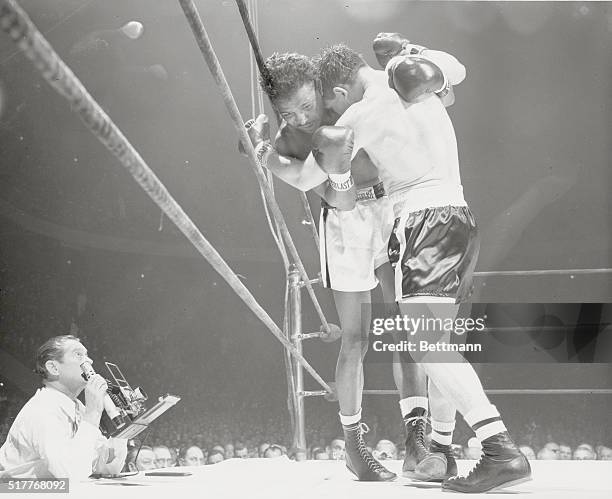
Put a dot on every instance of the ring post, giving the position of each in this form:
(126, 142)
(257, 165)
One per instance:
(295, 328)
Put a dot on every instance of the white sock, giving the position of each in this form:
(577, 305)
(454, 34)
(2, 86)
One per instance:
(350, 420)
(408, 404)
(442, 431)
(485, 421)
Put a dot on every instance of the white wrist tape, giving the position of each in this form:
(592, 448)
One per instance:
(445, 88)
(341, 181)
(412, 49)
(262, 153)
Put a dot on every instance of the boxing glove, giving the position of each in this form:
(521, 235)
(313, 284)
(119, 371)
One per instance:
(388, 45)
(332, 147)
(258, 130)
(413, 76)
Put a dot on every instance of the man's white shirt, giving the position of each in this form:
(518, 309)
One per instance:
(49, 439)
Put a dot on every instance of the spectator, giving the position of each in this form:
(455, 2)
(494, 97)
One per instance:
(54, 433)
(229, 451)
(298, 455)
(215, 457)
(320, 454)
(565, 452)
(385, 449)
(337, 449)
(583, 454)
(604, 453)
(191, 456)
(262, 448)
(241, 451)
(553, 447)
(273, 451)
(163, 457)
(140, 459)
(587, 447)
(547, 454)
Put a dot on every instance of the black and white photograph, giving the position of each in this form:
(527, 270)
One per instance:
(305, 248)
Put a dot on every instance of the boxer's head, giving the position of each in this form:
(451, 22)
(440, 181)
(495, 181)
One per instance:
(337, 67)
(291, 83)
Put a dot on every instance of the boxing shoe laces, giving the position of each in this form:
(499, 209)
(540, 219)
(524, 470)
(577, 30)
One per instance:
(359, 460)
(416, 450)
(500, 465)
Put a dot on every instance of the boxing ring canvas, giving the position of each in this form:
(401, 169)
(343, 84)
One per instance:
(264, 478)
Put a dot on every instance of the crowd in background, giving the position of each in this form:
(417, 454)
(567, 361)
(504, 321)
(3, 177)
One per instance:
(214, 422)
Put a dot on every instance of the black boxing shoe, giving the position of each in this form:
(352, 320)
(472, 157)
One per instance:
(416, 450)
(438, 465)
(501, 465)
(359, 460)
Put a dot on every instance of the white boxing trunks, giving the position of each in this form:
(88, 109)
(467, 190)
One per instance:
(354, 243)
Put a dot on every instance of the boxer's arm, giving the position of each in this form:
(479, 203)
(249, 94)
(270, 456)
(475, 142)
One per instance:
(303, 175)
(332, 148)
(389, 45)
(453, 70)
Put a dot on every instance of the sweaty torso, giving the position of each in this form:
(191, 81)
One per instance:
(411, 144)
(294, 143)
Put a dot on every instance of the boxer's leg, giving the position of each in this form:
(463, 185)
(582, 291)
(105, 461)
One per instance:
(410, 380)
(502, 464)
(354, 311)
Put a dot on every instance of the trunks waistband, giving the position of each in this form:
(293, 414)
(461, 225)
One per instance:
(421, 198)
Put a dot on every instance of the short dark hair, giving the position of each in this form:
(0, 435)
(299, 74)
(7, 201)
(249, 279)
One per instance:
(52, 349)
(239, 445)
(286, 73)
(183, 450)
(135, 451)
(336, 65)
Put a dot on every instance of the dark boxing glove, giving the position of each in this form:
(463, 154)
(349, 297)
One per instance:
(388, 45)
(414, 76)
